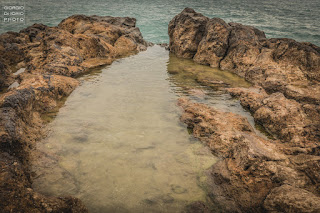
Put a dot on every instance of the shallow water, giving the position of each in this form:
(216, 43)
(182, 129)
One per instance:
(118, 144)
(185, 82)
(297, 19)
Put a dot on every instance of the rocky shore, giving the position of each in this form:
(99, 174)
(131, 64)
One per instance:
(38, 67)
(279, 173)
(255, 174)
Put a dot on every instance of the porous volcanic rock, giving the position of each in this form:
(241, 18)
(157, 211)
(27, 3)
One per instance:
(51, 56)
(253, 168)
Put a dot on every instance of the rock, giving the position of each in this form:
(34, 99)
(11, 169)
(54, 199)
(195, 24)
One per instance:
(109, 29)
(289, 120)
(10, 49)
(18, 196)
(250, 98)
(277, 65)
(208, 123)
(164, 45)
(186, 31)
(51, 56)
(284, 99)
(5, 76)
(290, 199)
(250, 166)
(21, 70)
(197, 207)
(284, 67)
(70, 48)
(178, 189)
(20, 109)
(13, 85)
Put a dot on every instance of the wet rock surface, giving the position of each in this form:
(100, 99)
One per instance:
(51, 56)
(257, 174)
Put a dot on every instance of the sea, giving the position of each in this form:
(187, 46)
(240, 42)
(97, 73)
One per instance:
(296, 19)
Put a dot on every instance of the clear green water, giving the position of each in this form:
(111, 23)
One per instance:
(118, 143)
(297, 19)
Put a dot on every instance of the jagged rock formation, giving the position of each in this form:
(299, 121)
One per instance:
(277, 65)
(51, 56)
(284, 99)
(294, 123)
(254, 174)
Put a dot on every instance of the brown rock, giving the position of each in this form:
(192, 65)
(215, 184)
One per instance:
(51, 55)
(69, 48)
(20, 109)
(214, 45)
(285, 101)
(196, 207)
(250, 166)
(10, 49)
(6, 79)
(231, 137)
(16, 194)
(278, 65)
(290, 199)
(186, 31)
(290, 121)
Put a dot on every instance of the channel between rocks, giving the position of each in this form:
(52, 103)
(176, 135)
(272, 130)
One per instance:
(250, 105)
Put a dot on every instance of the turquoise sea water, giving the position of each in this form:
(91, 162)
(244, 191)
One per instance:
(297, 19)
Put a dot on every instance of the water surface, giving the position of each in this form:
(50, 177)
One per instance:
(118, 143)
(297, 19)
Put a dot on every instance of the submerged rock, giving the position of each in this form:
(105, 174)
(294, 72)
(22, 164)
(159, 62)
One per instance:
(165, 45)
(197, 207)
(178, 189)
(18, 196)
(51, 56)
